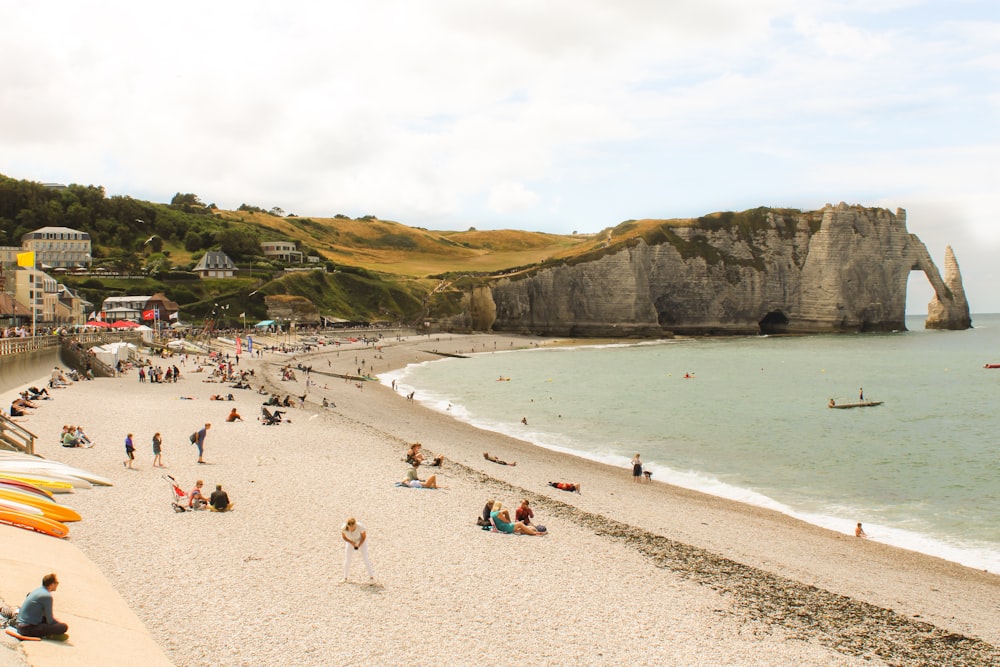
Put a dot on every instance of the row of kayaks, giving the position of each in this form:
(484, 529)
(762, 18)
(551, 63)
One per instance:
(28, 485)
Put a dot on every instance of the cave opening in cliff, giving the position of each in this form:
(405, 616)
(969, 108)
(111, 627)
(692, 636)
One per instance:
(774, 322)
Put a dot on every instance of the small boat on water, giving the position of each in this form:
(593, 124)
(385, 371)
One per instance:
(991, 366)
(860, 404)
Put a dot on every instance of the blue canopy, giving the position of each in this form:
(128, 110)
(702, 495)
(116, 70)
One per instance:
(264, 323)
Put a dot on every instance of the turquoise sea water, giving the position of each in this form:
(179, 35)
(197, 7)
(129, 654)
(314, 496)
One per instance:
(753, 425)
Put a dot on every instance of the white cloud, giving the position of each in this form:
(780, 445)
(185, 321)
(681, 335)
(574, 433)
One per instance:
(439, 112)
(511, 197)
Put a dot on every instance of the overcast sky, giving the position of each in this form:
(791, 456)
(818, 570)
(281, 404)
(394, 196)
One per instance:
(554, 116)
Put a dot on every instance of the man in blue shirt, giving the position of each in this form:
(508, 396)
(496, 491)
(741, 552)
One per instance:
(35, 618)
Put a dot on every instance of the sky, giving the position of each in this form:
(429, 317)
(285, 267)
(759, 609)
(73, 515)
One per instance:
(559, 116)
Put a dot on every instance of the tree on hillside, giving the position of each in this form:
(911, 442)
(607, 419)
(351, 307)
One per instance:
(238, 243)
(192, 241)
(189, 203)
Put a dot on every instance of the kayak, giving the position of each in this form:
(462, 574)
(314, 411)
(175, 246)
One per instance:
(32, 522)
(49, 509)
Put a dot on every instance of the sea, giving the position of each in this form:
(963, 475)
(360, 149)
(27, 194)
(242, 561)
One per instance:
(747, 418)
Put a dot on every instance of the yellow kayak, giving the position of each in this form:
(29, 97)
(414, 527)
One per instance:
(50, 509)
(48, 483)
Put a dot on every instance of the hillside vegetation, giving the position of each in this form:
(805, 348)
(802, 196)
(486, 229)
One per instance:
(374, 269)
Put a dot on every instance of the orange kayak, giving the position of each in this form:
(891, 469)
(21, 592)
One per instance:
(40, 524)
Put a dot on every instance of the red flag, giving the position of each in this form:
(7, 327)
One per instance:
(149, 314)
(239, 345)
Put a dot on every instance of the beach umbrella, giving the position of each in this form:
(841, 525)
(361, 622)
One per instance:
(98, 323)
(124, 324)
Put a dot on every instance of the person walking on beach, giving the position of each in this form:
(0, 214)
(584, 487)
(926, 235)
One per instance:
(129, 452)
(636, 468)
(199, 439)
(356, 538)
(36, 618)
(158, 451)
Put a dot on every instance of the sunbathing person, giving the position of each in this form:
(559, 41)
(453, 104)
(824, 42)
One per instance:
(414, 482)
(566, 486)
(501, 519)
(23, 401)
(494, 459)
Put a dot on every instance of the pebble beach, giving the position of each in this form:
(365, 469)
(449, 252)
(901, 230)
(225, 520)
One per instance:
(644, 574)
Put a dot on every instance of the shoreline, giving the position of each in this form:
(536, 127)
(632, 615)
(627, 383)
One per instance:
(682, 576)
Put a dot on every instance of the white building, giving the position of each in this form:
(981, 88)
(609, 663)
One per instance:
(286, 251)
(58, 247)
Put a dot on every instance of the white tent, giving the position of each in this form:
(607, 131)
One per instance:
(145, 332)
(112, 353)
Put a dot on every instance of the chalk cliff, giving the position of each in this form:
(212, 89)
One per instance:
(843, 268)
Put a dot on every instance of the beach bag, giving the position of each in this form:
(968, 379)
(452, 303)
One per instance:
(194, 437)
(541, 529)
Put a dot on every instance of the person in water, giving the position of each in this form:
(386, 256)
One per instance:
(859, 531)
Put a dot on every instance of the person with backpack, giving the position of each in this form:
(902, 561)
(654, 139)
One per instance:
(198, 438)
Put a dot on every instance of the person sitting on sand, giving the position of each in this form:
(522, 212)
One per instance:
(414, 482)
(82, 437)
(484, 520)
(414, 454)
(69, 438)
(234, 416)
(566, 486)
(859, 531)
(501, 519)
(524, 513)
(287, 403)
(494, 459)
(16, 410)
(219, 501)
(196, 500)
